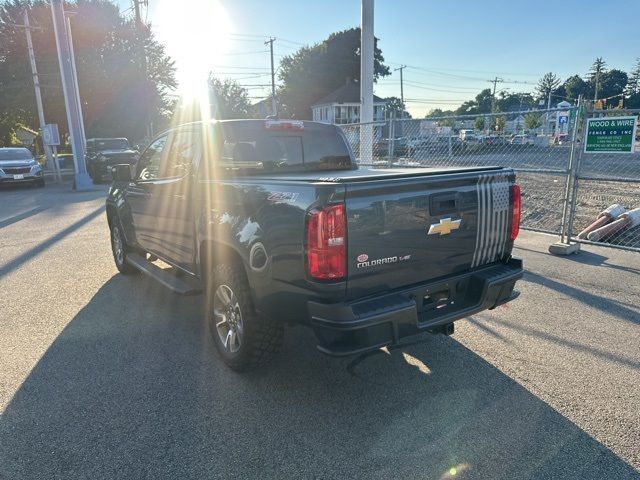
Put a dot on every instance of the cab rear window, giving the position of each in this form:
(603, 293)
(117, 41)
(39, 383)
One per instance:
(250, 147)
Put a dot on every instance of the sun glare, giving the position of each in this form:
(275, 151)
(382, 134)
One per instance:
(196, 35)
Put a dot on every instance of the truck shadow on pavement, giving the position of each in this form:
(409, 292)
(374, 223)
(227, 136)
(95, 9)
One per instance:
(606, 305)
(132, 388)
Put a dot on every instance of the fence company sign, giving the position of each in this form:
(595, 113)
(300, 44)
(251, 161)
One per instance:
(611, 134)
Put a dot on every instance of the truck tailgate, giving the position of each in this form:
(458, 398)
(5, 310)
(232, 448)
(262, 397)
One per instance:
(423, 228)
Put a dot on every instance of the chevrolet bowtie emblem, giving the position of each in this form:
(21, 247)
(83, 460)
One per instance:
(444, 227)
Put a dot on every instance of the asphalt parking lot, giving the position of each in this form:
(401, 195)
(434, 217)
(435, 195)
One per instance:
(106, 376)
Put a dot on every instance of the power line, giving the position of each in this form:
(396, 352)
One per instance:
(242, 68)
(246, 53)
(411, 84)
(290, 41)
(480, 71)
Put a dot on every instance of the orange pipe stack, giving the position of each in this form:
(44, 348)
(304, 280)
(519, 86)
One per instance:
(625, 220)
(605, 217)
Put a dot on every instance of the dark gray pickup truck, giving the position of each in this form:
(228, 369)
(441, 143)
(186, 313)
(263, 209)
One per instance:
(275, 223)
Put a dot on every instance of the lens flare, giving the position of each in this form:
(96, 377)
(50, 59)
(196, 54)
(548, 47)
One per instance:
(196, 36)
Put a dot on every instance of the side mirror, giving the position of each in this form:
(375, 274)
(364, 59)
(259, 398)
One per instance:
(122, 173)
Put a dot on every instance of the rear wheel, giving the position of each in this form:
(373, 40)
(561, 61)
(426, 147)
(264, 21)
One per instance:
(243, 339)
(119, 249)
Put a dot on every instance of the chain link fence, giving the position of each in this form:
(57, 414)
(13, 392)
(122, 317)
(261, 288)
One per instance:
(537, 144)
(601, 180)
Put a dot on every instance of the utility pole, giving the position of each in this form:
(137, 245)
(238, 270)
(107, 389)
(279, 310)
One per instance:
(595, 95)
(142, 57)
(82, 179)
(401, 88)
(495, 82)
(274, 109)
(36, 86)
(75, 75)
(136, 8)
(366, 81)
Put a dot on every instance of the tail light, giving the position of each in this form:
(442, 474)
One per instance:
(516, 209)
(327, 243)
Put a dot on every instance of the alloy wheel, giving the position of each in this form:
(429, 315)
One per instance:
(228, 318)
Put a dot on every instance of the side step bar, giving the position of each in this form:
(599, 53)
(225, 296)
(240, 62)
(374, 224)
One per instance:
(166, 278)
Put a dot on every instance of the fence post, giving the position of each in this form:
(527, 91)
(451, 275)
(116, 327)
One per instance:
(574, 193)
(570, 172)
(392, 135)
(564, 246)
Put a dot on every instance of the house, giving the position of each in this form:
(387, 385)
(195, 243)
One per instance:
(342, 106)
(514, 124)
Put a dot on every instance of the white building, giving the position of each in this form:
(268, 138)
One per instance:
(343, 106)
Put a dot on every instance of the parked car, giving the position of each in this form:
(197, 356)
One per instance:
(424, 146)
(469, 136)
(495, 140)
(400, 147)
(104, 153)
(276, 223)
(18, 165)
(521, 140)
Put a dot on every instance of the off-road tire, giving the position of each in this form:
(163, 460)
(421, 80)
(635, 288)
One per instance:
(261, 337)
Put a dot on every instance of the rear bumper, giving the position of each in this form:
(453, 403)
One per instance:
(349, 328)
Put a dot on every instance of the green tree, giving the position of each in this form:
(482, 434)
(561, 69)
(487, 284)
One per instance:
(575, 86)
(633, 83)
(117, 97)
(438, 112)
(598, 67)
(546, 85)
(396, 107)
(532, 121)
(511, 102)
(478, 123)
(447, 122)
(612, 83)
(228, 99)
(481, 104)
(633, 101)
(594, 77)
(313, 72)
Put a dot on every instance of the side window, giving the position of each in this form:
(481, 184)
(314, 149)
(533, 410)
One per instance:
(185, 146)
(149, 163)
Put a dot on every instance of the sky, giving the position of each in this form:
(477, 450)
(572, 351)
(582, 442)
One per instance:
(451, 48)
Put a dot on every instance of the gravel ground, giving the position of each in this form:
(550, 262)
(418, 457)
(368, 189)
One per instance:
(106, 376)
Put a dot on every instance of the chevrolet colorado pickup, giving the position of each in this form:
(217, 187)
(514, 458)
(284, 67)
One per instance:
(275, 223)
